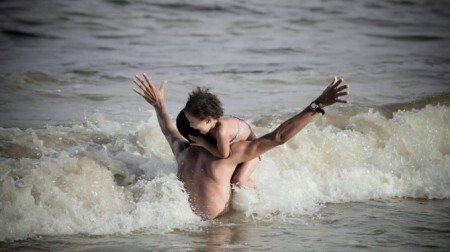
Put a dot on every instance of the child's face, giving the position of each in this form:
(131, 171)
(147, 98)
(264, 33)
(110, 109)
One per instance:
(204, 126)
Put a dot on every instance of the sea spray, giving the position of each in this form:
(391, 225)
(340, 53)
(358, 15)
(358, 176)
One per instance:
(105, 177)
(373, 157)
(79, 187)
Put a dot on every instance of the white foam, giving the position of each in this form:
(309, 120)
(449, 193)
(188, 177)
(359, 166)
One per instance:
(104, 177)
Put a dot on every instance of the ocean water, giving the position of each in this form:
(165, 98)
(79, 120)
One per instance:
(84, 167)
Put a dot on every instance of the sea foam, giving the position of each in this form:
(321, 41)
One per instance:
(105, 177)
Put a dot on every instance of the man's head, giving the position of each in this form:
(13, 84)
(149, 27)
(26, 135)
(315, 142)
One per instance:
(203, 109)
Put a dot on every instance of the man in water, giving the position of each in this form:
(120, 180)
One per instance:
(207, 178)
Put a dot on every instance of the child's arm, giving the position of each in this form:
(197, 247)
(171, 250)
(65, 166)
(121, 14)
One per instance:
(221, 150)
(223, 144)
(208, 145)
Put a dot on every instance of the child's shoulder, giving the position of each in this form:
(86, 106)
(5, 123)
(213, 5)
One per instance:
(225, 125)
(227, 121)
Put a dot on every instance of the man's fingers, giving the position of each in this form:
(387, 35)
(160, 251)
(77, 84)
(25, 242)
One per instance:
(341, 101)
(149, 83)
(138, 81)
(139, 92)
(342, 93)
(342, 88)
(337, 82)
(140, 85)
(333, 81)
(142, 93)
(147, 78)
(147, 90)
(144, 89)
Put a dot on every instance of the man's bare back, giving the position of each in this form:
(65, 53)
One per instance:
(207, 178)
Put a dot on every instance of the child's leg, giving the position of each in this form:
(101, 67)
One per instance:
(241, 176)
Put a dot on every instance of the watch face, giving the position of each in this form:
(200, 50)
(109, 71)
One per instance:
(314, 105)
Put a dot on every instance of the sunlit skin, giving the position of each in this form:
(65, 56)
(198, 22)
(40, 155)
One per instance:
(207, 178)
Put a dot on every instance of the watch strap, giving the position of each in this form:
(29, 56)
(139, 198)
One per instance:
(316, 108)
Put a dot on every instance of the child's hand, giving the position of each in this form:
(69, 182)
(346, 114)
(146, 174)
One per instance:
(198, 140)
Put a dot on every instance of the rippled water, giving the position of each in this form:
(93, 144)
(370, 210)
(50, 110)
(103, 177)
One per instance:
(64, 60)
(83, 165)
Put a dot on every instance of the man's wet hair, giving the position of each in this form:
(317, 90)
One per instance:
(201, 104)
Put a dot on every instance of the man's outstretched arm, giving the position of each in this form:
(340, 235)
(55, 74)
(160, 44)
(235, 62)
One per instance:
(155, 97)
(288, 129)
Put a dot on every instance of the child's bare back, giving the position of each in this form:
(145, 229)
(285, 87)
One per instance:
(233, 128)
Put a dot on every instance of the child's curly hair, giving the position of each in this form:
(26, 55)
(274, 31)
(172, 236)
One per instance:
(201, 104)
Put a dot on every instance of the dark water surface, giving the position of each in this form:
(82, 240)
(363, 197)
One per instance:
(65, 60)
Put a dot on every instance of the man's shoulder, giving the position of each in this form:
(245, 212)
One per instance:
(179, 146)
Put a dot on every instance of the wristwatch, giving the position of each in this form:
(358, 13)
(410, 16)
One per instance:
(316, 108)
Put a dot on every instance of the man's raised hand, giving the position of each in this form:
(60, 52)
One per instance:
(333, 93)
(147, 90)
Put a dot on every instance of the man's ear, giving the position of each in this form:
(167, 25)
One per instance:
(209, 119)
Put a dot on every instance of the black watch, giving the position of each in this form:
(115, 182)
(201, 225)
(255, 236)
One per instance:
(316, 108)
